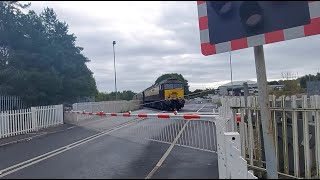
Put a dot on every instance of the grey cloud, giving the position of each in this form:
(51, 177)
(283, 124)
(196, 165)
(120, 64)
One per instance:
(141, 58)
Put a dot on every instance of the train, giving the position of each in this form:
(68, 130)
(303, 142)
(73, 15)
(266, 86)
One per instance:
(166, 95)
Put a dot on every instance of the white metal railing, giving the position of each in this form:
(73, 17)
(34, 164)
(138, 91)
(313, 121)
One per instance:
(23, 121)
(232, 165)
(198, 133)
(203, 132)
(296, 127)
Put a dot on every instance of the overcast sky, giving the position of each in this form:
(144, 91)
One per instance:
(154, 38)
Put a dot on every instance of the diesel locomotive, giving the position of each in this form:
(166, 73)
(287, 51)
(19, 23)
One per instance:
(165, 95)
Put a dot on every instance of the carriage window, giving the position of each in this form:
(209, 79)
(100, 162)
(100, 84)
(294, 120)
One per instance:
(177, 86)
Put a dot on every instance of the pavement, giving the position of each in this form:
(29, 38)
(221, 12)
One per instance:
(112, 147)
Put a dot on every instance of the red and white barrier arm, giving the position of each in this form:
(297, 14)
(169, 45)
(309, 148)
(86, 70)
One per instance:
(159, 116)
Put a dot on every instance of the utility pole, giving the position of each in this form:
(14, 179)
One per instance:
(267, 125)
(114, 66)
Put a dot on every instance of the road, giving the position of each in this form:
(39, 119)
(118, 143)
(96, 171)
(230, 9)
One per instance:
(113, 147)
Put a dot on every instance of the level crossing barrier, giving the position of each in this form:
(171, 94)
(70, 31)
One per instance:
(197, 131)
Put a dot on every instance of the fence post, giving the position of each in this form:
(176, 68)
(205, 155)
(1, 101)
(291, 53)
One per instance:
(232, 140)
(222, 166)
(306, 137)
(2, 127)
(59, 111)
(61, 114)
(75, 108)
(295, 142)
(34, 119)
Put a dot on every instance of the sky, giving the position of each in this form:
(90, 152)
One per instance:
(154, 38)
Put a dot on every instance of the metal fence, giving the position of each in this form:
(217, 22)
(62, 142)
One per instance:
(23, 121)
(196, 134)
(296, 128)
(10, 103)
(202, 132)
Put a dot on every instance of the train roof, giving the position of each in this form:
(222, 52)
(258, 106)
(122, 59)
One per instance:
(170, 80)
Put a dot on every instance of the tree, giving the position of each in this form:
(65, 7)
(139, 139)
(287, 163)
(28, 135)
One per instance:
(291, 87)
(303, 80)
(201, 93)
(39, 60)
(196, 93)
(177, 76)
(273, 83)
(124, 95)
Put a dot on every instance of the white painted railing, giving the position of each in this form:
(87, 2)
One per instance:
(16, 122)
(296, 130)
(231, 164)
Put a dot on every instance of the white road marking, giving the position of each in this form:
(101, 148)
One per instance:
(166, 154)
(27, 163)
(24, 139)
(46, 133)
(202, 107)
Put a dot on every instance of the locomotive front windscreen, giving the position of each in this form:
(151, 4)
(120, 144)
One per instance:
(172, 86)
(177, 86)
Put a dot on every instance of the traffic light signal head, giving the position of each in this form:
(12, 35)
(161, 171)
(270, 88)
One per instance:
(251, 15)
(222, 8)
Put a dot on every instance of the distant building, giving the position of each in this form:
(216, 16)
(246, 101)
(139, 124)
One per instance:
(215, 98)
(238, 89)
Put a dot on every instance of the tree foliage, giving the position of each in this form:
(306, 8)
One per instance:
(273, 83)
(294, 86)
(291, 87)
(303, 80)
(177, 76)
(39, 59)
(124, 95)
(201, 93)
